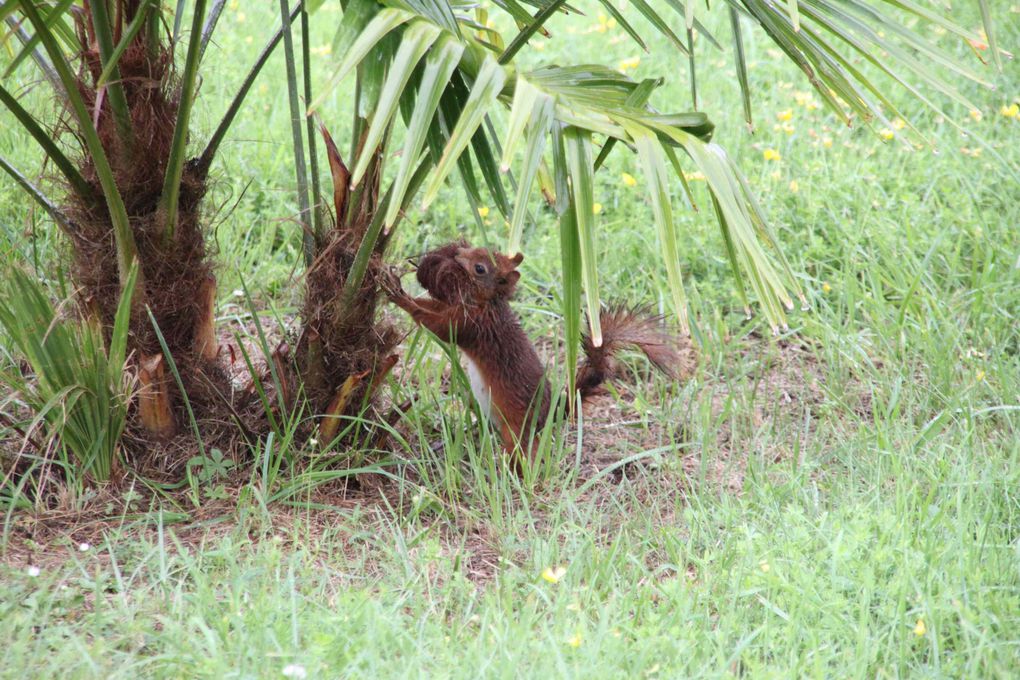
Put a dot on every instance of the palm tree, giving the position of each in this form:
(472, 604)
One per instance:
(130, 193)
(435, 68)
(439, 69)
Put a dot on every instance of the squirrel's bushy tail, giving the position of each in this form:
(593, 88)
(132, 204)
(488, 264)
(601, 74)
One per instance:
(625, 326)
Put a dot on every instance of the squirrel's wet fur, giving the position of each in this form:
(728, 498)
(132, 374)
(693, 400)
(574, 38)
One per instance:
(470, 289)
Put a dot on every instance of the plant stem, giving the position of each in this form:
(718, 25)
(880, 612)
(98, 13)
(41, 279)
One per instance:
(313, 161)
(124, 237)
(115, 91)
(175, 163)
(213, 145)
(307, 238)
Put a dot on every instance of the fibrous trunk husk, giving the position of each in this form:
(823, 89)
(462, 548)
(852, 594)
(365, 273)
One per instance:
(344, 349)
(155, 411)
(179, 285)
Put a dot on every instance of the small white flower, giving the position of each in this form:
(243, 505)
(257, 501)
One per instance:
(238, 293)
(313, 441)
(294, 670)
(33, 571)
(83, 547)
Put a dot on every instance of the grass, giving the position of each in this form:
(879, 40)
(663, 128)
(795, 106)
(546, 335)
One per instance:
(839, 501)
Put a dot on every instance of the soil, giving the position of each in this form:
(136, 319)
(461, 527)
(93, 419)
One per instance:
(785, 378)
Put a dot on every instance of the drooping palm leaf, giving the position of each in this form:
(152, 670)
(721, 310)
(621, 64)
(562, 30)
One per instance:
(585, 100)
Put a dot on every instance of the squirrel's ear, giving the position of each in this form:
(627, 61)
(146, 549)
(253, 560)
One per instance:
(517, 259)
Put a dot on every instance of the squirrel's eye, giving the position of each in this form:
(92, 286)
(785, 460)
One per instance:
(479, 269)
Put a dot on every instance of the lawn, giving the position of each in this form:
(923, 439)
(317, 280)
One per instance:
(838, 500)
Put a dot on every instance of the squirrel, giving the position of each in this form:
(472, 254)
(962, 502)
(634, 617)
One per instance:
(468, 305)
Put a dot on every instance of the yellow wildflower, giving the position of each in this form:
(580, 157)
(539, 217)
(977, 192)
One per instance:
(788, 129)
(611, 24)
(827, 142)
(980, 375)
(628, 179)
(1011, 111)
(575, 641)
(886, 134)
(920, 629)
(630, 64)
(785, 115)
(976, 115)
(553, 574)
(483, 212)
(596, 208)
(240, 17)
(794, 186)
(826, 288)
(772, 155)
(899, 124)
(764, 566)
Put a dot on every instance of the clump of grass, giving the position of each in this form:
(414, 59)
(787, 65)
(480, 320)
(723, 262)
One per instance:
(77, 392)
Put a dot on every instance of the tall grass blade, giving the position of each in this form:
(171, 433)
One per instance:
(192, 420)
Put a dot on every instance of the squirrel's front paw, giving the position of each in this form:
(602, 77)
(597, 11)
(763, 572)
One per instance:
(389, 283)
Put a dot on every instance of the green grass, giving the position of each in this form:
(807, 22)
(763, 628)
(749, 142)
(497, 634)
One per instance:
(830, 490)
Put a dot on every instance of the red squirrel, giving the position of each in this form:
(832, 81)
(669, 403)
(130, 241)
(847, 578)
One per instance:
(468, 304)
